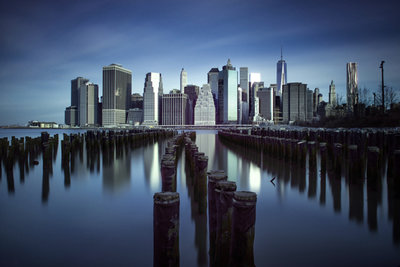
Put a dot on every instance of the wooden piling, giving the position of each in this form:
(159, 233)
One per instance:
(166, 229)
(243, 228)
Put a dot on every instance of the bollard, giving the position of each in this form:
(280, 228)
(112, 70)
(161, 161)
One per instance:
(166, 229)
(213, 178)
(224, 197)
(243, 228)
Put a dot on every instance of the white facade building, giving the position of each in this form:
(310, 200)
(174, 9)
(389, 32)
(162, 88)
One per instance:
(204, 111)
(152, 94)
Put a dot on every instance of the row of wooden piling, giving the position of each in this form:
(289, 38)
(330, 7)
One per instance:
(363, 149)
(232, 216)
(25, 152)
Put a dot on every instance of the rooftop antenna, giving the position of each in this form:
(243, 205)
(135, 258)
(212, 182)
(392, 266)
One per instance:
(281, 52)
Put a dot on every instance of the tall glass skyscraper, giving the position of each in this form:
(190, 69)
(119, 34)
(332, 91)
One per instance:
(212, 80)
(281, 75)
(351, 85)
(117, 88)
(153, 91)
(228, 94)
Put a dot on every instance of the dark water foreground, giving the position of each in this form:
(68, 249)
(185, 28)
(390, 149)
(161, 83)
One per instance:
(104, 215)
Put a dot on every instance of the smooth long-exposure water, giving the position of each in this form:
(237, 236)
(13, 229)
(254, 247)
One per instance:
(103, 216)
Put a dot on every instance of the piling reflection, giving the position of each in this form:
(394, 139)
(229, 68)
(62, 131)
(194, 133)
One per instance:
(360, 168)
(198, 204)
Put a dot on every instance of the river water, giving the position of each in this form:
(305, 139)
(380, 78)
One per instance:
(104, 215)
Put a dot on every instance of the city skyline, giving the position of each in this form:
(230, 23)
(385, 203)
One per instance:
(44, 48)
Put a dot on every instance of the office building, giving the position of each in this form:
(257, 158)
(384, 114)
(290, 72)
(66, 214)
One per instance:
(244, 80)
(281, 75)
(88, 103)
(266, 98)
(332, 95)
(75, 85)
(183, 79)
(153, 91)
(192, 91)
(255, 108)
(71, 116)
(137, 101)
(309, 105)
(117, 87)
(351, 85)
(212, 80)
(297, 102)
(254, 78)
(174, 108)
(228, 94)
(135, 116)
(244, 104)
(315, 100)
(204, 111)
(239, 105)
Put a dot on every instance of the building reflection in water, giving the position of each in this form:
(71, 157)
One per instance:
(254, 178)
(151, 161)
(116, 171)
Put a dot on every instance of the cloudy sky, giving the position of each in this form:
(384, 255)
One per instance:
(45, 44)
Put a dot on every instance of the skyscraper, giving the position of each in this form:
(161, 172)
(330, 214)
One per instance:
(75, 85)
(192, 92)
(183, 79)
(266, 103)
(174, 108)
(281, 75)
(212, 80)
(228, 94)
(88, 103)
(117, 87)
(297, 102)
(254, 78)
(244, 104)
(244, 80)
(351, 85)
(332, 95)
(153, 90)
(315, 100)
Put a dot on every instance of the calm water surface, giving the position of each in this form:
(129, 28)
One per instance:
(104, 216)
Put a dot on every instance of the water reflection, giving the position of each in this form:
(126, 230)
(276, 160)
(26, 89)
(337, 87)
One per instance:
(151, 161)
(117, 172)
(197, 191)
(327, 166)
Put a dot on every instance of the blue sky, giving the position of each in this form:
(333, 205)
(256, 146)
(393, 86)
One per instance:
(45, 44)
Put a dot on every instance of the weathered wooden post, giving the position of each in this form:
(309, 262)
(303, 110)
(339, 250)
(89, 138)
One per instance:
(224, 198)
(213, 178)
(166, 229)
(243, 228)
